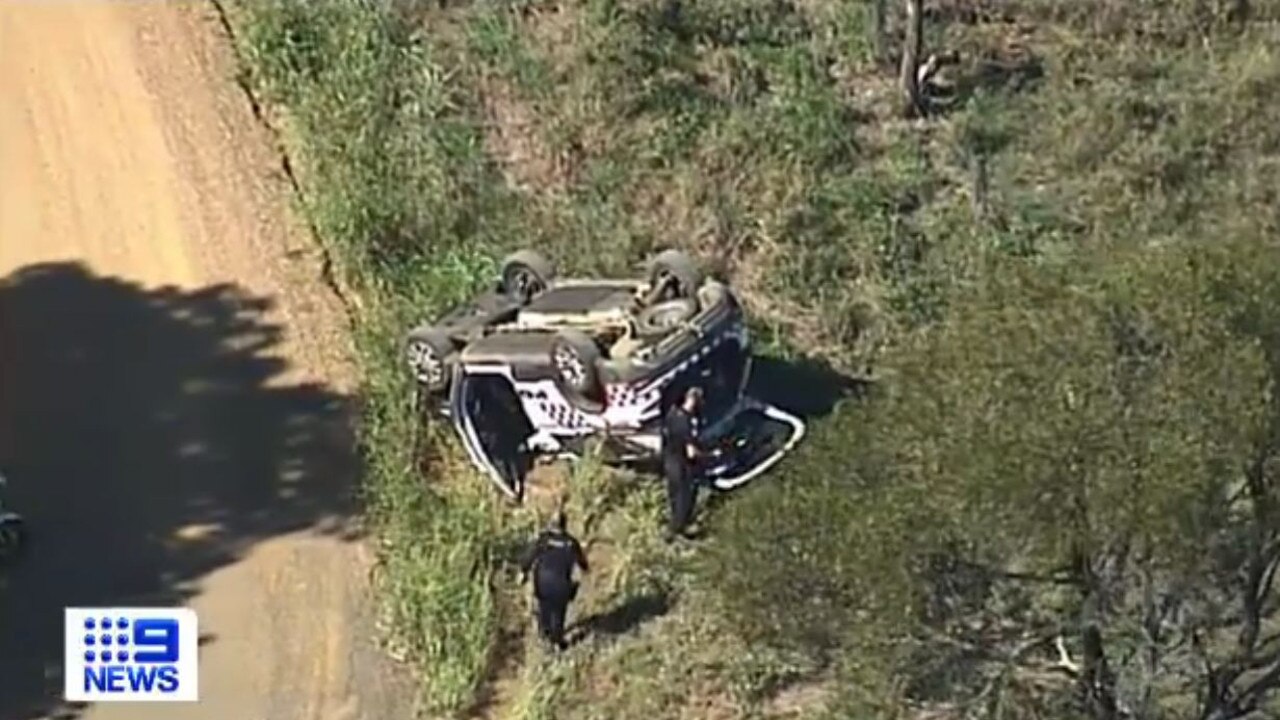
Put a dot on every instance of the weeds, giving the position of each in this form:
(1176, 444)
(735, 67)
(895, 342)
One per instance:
(396, 184)
(759, 136)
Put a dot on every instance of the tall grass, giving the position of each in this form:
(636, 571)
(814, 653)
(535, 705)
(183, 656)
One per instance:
(396, 185)
(761, 137)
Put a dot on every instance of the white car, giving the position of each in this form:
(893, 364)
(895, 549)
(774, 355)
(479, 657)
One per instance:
(539, 365)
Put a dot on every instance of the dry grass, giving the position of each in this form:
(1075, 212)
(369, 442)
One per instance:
(763, 138)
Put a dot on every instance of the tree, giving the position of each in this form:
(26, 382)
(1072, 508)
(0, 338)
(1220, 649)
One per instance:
(913, 103)
(1089, 440)
(1061, 501)
(916, 78)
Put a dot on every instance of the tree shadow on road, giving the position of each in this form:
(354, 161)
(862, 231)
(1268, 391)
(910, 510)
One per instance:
(149, 440)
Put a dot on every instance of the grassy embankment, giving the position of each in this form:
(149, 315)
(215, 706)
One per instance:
(763, 137)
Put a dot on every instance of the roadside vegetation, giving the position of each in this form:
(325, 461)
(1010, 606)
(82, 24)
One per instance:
(1051, 268)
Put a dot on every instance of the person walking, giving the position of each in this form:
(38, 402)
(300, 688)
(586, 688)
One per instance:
(681, 451)
(551, 559)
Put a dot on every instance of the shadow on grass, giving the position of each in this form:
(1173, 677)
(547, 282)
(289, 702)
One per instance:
(148, 440)
(809, 388)
(624, 618)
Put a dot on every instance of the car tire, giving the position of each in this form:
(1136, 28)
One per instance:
(660, 318)
(525, 275)
(574, 359)
(429, 352)
(677, 270)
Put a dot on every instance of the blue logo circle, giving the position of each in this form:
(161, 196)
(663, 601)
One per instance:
(89, 639)
(106, 656)
(89, 624)
(122, 623)
(106, 623)
(88, 656)
(106, 639)
(123, 656)
(122, 639)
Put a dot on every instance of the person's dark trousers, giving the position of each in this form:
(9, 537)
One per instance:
(553, 607)
(681, 494)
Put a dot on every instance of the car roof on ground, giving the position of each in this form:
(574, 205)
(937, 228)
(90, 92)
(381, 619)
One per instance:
(580, 299)
(510, 347)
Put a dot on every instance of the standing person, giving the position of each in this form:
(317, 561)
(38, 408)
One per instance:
(552, 557)
(680, 453)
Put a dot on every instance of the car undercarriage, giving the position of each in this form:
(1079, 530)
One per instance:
(546, 367)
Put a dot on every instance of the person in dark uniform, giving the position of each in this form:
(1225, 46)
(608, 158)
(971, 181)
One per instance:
(680, 454)
(552, 557)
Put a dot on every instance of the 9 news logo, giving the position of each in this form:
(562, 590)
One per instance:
(133, 654)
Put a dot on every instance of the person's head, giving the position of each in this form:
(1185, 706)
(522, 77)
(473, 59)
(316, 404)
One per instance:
(692, 399)
(559, 521)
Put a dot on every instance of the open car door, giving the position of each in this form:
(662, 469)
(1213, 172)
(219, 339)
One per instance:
(491, 422)
(756, 439)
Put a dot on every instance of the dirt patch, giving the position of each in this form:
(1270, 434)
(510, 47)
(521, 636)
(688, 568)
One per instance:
(555, 32)
(502, 680)
(547, 488)
(513, 138)
(147, 241)
(800, 699)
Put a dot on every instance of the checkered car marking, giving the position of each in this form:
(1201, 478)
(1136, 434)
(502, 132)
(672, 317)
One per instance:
(693, 359)
(638, 403)
(626, 405)
(620, 395)
(563, 415)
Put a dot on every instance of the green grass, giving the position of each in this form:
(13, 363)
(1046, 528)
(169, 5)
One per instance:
(387, 162)
(760, 136)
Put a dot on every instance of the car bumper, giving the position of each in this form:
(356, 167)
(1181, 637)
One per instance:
(748, 443)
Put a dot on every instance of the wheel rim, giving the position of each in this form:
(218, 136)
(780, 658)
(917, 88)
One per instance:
(425, 363)
(670, 285)
(667, 283)
(570, 366)
(525, 284)
(667, 317)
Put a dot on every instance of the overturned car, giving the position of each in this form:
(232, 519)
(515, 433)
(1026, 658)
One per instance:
(539, 366)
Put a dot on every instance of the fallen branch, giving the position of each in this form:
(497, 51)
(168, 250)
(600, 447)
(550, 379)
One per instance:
(1065, 663)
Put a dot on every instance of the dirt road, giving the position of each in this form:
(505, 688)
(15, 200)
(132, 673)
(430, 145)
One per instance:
(173, 406)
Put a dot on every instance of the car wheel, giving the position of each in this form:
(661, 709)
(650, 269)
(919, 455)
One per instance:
(427, 350)
(574, 356)
(526, 274)
(674, 275)
(661, 318)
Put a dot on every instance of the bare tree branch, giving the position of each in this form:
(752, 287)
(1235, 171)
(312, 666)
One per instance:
(1265, 644)
(990, 691)
(1267, 583)
(1064, 658)
(912, 99)
(1065, 575)
(1097, 681)
(1256, 691)
(1154, 614)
